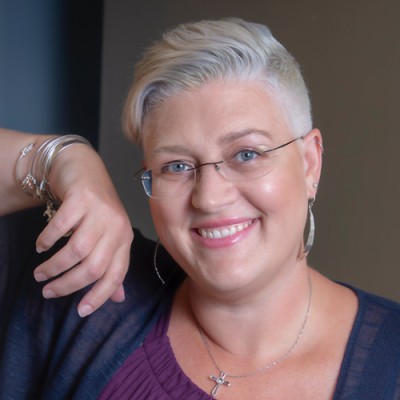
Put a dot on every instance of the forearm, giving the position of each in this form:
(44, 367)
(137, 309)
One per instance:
(11, 145)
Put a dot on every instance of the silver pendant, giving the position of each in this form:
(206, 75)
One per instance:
(219, 380)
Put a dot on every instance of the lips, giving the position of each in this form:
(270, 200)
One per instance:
(223, 232)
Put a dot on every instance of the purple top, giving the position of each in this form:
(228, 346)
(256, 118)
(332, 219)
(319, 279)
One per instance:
(152, 372)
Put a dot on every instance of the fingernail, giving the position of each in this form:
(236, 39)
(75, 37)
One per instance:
(40, 277)
(48, 294)
(39, 249)
(85, 310)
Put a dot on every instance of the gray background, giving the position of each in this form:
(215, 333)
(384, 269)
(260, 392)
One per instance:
(350, 55)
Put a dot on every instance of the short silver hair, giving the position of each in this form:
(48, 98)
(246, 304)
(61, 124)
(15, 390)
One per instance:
(229, 49)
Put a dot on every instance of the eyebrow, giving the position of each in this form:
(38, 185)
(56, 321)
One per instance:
(176, 148)
(232, 136)
(226, 139)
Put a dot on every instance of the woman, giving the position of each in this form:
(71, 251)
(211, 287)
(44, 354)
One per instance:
(208, 105)
(231, 166)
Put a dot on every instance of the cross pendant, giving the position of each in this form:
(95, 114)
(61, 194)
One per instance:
(219, 380)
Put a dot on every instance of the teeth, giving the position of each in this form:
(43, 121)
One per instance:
(219, 233)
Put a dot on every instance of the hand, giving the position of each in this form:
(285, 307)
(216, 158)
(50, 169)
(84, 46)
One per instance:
(99, 247)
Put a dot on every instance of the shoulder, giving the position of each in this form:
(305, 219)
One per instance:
(376, 332)
(371, 365)
(379, 312)
(377, 321)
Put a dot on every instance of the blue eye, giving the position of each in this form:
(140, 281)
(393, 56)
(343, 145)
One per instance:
(176, 167)
(246, 155)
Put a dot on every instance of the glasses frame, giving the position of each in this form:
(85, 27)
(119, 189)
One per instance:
(140, 174)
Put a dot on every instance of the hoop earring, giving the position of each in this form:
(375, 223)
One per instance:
(155, 262)
(311, 232)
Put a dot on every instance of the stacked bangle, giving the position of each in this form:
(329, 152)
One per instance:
(36, 182)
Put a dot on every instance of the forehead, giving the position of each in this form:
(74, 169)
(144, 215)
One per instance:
(214, 114)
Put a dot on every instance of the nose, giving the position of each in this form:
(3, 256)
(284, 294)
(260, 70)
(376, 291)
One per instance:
(212, 191)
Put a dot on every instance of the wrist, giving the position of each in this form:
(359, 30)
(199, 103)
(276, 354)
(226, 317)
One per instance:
(39, 164)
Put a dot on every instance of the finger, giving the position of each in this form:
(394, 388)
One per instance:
(103, 290)
(79, 246)
(65, 219)
(99, 265)
(105, 287)
(119, 295)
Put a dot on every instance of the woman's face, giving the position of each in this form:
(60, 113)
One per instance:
(231, 236)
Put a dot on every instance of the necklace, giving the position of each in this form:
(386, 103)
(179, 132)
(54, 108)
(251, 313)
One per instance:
(221, 379)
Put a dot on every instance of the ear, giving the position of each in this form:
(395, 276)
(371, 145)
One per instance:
(313, 150)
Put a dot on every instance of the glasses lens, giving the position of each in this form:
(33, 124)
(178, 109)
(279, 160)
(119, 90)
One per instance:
(247, 164)
(146, 179)
(169, 181)
(252, 162)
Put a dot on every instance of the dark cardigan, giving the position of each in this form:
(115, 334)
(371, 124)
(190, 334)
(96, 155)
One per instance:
(46, 350)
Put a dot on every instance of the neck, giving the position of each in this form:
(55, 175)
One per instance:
(265, 324)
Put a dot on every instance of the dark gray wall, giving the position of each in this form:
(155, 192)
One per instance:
(50, 57)
(350, 54)
(29, 65)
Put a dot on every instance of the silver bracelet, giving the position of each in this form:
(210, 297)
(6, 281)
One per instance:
(41, 166)
(27, 183)
(36, 182)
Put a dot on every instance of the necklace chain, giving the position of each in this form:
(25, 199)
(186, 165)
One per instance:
(221, 379)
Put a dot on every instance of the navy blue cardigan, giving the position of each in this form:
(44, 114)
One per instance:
(48, 352)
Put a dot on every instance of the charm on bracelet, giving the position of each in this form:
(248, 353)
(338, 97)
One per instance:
(50, 211)
(36, 183)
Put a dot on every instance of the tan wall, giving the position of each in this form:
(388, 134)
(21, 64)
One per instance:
(350, 55)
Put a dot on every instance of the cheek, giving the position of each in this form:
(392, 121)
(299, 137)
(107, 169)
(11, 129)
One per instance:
(170, 222)
(167, 218)
(273, 194)
(158, 215)
(283, 194)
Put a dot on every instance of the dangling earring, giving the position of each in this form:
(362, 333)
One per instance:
(155, 262)
(311, 233)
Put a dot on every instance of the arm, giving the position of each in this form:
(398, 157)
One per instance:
(98, 250)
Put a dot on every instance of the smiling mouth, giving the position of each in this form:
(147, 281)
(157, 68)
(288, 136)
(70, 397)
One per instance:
(223, 232)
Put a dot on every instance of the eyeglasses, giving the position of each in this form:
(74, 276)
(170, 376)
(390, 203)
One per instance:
(178, 177)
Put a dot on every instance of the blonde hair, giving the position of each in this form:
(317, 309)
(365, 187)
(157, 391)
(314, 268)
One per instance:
(193, 54)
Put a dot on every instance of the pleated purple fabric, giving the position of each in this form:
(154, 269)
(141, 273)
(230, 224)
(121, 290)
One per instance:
(152, 373)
